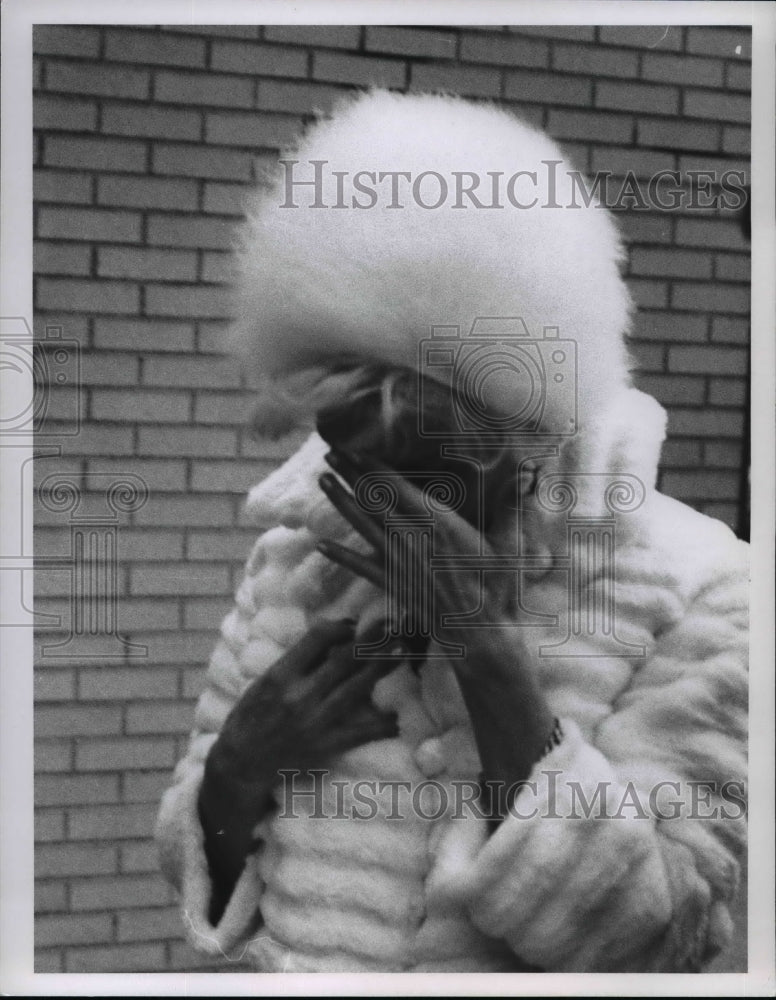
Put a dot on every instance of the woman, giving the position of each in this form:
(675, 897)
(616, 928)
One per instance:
(466, 587)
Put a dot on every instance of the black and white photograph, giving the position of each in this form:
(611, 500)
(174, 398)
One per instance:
(387, 549)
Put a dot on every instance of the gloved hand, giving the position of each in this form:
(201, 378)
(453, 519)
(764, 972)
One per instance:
(312, 704)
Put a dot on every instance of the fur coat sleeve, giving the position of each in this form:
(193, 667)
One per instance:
(623, 854)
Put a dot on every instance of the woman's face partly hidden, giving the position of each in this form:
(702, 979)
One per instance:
(359, 425)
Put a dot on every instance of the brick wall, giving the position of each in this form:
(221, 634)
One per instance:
(144, 141)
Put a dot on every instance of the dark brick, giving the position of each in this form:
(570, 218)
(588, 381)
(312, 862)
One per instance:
(63, 114)
(142, 335)
(472, 81)
(50, 897)
(505, 51)
(653, 37)
(716, 233)
(226, 164)
(201, 441)
(189, 300)
(154, 122)
(218, 30)
(141, 405)
(251, 130)
(204, 89)
(719, 41)
(64, 930)
(680, 453)
(147, 264)
(729, 330)
(262, 60)
(717, 105)
(229, 476)
(594, 60)
(670, 326)
(76, 720)
(636, 97)
(739, 76)
(571, 32)
(723, 454)
(716, 360)
(123, 754)
(136, 46)
(77, 295)
(671, 263)
(706, 423)
(150, 924)
(186, 510)
(360, 71)
(681, 69)
(675, 135)
(639, 227)
(732, 267)
(190, 231)
(590, 125)
(326, 36)
(58, 258)
(736, 140)
(648, 357)
(61, 186)
(146, 957)
(65, 40)
(127, 682)
(639, 162)
(648, 294)
(549, 87)
(95, 153)
(705, 297)
(53, 685)
(101, 79)
(701, 485)
(727, 392)
(146, 192)
(75, 789)
(49, 825)
(225, 199)
(89, 224)
(160, 717)
(411, 41)
(298, 98)
(668, 389)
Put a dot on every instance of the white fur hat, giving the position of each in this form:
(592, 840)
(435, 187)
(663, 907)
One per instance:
(328, 279)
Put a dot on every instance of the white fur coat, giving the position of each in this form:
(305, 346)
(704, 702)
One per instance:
(632, 893)
(639, 892)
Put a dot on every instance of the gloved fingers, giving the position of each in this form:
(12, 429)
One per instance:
(365, 725)
(366, 524)
(311, 650)
(345, 667)
(364, 566)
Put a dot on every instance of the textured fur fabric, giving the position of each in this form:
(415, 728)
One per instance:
(633, 893)
(556, 888)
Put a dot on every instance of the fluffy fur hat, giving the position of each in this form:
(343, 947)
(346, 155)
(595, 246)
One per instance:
(328, 280)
